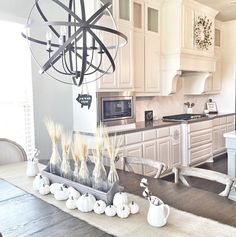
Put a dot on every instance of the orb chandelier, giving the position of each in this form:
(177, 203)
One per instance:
(73, 39)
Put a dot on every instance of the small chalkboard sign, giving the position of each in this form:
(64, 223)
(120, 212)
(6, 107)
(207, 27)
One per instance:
(84, 100)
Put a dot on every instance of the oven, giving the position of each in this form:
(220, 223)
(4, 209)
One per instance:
(115, 108)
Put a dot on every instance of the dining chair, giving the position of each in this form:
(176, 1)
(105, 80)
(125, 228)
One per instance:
(11, 152)
(181, 171)
(158, 166)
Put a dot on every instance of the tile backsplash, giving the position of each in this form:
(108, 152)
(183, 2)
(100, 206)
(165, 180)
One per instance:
(167, 105)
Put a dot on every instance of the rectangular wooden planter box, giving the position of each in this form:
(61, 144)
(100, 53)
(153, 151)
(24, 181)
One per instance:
(99, 195)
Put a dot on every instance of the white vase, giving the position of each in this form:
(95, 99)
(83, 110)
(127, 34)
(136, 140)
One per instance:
(32, 168)
(158, 214)
(55, 160)
(189, 110)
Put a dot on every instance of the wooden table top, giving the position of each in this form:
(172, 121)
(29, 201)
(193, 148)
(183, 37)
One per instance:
(23, 214)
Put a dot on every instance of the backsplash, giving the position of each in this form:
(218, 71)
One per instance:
(167, 105)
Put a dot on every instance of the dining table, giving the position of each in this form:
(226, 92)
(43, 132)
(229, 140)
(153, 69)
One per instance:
(23, 214)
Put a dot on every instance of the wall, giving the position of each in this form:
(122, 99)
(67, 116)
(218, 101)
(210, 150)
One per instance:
(50, 98)
(167, 105)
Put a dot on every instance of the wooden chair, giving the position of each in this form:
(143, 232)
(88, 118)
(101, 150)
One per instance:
(11, 152)
(181, 171)
(158, 166)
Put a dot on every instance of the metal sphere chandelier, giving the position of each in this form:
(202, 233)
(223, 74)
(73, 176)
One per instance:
(74, 38)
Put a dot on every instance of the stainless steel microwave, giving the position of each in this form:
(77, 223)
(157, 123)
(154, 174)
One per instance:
(116, 108)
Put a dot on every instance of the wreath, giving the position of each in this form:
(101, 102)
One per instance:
(202, 32)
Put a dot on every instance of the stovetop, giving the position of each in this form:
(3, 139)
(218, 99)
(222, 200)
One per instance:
(182, 117)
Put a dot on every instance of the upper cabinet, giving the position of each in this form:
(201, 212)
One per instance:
(146, 24)
(122, 78)
(187, 40)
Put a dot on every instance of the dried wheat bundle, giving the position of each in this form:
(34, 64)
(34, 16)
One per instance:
(101, 134)
(75, 148)
(54, 130)
(65, 143)
(113, 144)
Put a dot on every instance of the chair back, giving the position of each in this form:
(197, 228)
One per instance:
(11, 152)
(159, 167)
(181, 171)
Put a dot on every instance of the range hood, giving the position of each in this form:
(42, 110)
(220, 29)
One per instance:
(181, 55)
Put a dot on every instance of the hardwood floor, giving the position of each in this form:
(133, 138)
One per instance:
(219, 165)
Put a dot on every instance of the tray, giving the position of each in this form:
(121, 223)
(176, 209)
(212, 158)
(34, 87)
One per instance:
(99, 195)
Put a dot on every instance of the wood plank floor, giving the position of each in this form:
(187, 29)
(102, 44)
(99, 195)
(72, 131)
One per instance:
(219, 165)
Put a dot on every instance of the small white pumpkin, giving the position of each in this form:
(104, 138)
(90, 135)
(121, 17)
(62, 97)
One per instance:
(86, 202)
(44, 189)
(71, 203)
(55, 187)
(110, 210)
(134, 207)
(62, 194)
(123, 211)
(74, 193)
(120, 198)
(39, 180)
(99, 207)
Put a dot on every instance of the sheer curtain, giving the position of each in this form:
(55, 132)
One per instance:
(16, 100)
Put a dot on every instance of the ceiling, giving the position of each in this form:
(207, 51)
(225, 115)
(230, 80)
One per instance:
(226, 8)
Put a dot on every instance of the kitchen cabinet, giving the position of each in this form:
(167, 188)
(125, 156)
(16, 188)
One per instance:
(146, 45)
(122, 78)
(221, 126)
(163, 144)
(197, 142)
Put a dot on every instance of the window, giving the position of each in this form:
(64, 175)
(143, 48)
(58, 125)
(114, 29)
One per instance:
(16, 103)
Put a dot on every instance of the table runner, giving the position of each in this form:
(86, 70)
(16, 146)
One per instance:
(180, 223)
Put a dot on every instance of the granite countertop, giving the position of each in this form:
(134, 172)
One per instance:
(142, 126)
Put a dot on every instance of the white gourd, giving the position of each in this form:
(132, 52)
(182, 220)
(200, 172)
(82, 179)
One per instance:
(110, 210)
(44, 189)
(86, 202)
(134, 207)
(74, 193)
(71, 203)
(123, 211)
(120, 198)
(39, 180)
(62, 194)
(99, 207)
(55, 187)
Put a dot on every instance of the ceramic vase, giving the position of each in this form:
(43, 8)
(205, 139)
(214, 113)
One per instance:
(158, 214)
(32, 168)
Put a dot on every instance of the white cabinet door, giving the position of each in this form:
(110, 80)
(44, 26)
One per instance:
(163, 150)
(139, 62)
(149, 152)
(135, 151)
(125, 63)
(152, 63)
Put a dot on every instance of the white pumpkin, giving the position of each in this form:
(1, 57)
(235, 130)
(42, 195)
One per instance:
(44, 189)
(74, 193)
(39, 180)
(62, 194)
(110, 210)
(134, 207)
(71, 203)
(99, 207)
(55, 187)
(120, 198)
(123, 211)
(86, 202)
